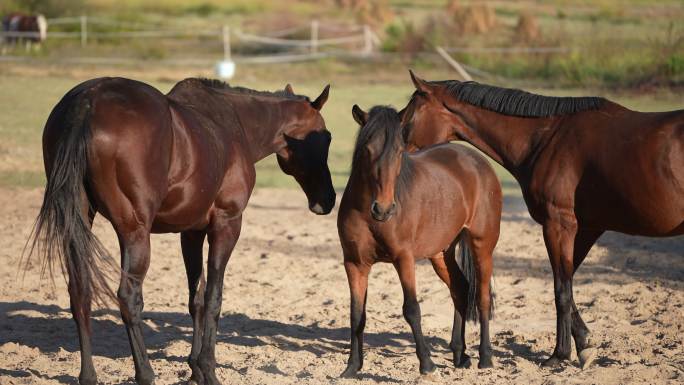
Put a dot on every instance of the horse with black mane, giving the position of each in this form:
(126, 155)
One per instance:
(399, 208)
(154, 163)
(585, 165)
(18, 27)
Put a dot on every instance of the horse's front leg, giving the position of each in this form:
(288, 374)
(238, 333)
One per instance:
(135, 260)
(405, 266)
(586, 352)
(223, 236)
(560, 229)
(357, 275)
(191, 243)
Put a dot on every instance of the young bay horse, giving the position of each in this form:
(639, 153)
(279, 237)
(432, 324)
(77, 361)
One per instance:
(154, 163)
(585, 165)
(399, 208)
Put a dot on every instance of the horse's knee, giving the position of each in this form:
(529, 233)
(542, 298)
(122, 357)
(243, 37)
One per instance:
(564, 297)
(411, 311)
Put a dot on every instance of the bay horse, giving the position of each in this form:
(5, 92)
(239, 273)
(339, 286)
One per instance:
(585, 165)
(154, 163)
(400, 208)
(21, 27)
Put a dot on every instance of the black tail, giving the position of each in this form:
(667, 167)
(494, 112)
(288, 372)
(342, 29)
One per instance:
(62, 230)
(467, 263)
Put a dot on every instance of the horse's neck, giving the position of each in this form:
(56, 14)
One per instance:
(511, 141)
(261, 121)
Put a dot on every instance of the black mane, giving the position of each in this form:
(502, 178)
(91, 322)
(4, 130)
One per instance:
(384, 122)
(221, 85)
(510, 101)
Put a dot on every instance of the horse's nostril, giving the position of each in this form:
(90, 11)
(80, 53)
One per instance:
(374, 208)
(393, 207)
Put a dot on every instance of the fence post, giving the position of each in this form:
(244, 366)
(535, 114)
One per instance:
(367, 40)
(226, 43)
(314, 36)
(84, 30)
(454, 64)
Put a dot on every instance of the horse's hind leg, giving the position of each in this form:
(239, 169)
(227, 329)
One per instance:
(135, 259)
(191, 243)
(584, 240)
(446, 268)
(482, 249)
(81, 299)
(405, 266)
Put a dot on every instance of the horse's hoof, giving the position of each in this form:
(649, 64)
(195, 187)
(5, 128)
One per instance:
(427, 368)
(587, 357)
(87, 380)
(350, 372)
(433, 376)
(485, 363)
(464, 363)
(552, 362)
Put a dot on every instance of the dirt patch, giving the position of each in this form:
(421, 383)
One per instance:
(285, 311)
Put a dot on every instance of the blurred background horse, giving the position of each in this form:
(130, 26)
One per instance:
(18, 27)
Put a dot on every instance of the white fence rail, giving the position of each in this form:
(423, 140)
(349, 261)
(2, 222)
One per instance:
(355, 38)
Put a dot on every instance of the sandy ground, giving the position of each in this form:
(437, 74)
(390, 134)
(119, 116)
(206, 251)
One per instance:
(285, 309)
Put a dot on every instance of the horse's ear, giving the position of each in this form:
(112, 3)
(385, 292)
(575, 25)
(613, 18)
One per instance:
(288, 89)
(359, 115)
(321, 99)
(420, 84)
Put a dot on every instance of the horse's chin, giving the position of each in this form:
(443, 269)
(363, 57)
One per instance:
(320, 209)
(382, 218)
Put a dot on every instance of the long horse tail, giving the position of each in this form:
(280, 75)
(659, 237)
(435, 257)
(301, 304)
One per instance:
(466, 261)
(62, 232)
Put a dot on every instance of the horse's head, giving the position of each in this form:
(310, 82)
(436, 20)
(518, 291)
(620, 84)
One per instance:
(378, 156)
(427, 120)
(305, 151)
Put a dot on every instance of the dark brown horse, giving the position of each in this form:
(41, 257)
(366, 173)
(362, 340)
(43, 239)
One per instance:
(585, 165)
(153, 163)
(399, 208)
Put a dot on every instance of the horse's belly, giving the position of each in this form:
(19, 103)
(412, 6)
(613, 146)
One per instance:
(184, 208)
(650, 212)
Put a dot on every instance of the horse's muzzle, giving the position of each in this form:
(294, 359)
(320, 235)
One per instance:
(382, 214)
(323, 208)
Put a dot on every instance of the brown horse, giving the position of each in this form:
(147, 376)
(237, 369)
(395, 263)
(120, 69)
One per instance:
(153, 163)
(30, 28)
(399, 208)
(585, 165)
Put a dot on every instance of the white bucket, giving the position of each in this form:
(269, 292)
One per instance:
(225, 69)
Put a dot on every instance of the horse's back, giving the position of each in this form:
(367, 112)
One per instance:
(465, 165)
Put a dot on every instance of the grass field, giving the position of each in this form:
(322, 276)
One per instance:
(26, 101)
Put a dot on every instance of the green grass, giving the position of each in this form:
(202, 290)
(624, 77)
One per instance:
(26, 102)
